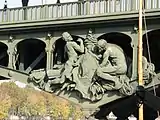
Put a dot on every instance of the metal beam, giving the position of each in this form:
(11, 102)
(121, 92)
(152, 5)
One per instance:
(35, 62)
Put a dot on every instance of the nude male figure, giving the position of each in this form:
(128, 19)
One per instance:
(113, 54)
(71, 49)
(113, 62)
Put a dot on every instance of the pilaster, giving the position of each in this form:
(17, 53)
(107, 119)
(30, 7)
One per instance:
(134, 45)
(49, 51)
(11, 53)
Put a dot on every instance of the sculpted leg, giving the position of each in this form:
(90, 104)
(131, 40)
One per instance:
(111, 82)
(108, 69)
(65, 74)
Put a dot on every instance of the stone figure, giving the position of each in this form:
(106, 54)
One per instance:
(117, 63)
(93, 68)
(90, 40)
(148, 70)
(71, 49)
(91, 71)
(39, 78)
(84, 73)
(14, 57)
(113, 67)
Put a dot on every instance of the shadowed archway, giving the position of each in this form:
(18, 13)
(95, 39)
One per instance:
(4, 58)
(154, 48)
(31, 55)
(59, 52)
(120, 39)
(124, 41)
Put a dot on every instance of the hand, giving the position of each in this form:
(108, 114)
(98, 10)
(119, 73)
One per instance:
(99, 56)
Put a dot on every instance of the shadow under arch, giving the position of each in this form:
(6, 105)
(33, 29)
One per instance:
(30, 55)
(120, 39)
(4, 57)
(154, 47)
(59, 51)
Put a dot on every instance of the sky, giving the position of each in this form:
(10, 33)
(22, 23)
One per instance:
(17, 3)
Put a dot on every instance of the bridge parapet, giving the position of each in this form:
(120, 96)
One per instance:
(65, 10)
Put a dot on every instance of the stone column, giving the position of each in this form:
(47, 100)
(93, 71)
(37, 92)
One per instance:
(11, 54)
(49, 58)
(134, 45)
(49, 52)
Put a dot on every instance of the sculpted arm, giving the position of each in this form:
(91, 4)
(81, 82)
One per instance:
(105, 58)
(79, 48)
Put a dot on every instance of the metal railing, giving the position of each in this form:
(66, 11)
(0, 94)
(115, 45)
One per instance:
(62, 10)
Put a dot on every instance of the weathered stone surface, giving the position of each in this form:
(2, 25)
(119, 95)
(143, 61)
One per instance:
(95, 72)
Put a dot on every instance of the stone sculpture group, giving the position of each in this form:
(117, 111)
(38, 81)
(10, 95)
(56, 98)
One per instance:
(92, 67)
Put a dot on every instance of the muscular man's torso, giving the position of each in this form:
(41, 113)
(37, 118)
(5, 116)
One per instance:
(116, 55)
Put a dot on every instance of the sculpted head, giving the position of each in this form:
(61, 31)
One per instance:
(66, 36)
(101, 44)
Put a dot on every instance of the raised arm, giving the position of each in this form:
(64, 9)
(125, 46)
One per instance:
(79, 48)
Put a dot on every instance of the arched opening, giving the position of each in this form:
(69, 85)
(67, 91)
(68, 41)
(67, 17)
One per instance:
(154, 48)
(31, 55)
(4, 58)
(124, 41)
(120, 39)
(59, 54)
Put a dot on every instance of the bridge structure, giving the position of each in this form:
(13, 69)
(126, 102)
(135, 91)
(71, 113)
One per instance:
(31, 38)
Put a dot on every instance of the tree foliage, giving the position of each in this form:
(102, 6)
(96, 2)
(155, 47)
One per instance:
(30, 102)
(5, 104)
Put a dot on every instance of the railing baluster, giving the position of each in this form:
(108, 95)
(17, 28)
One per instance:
(57, 11)
(126, 2)
(36, 18)
(104, 6)
(79, 8)
(98, 7)
(71, 9)
(94, 7)
(114, 5)
(108, 9)
(7, 15)
(66, 10)
(61, 10)
(41, 12)
(120, 5)
(151, 4)
(13, 15)
(0, 16)
(31, 9)
(87, 7)
(51, 9)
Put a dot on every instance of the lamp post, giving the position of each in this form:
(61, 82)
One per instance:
(25, 3)
(58, 1)
(5, 4)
